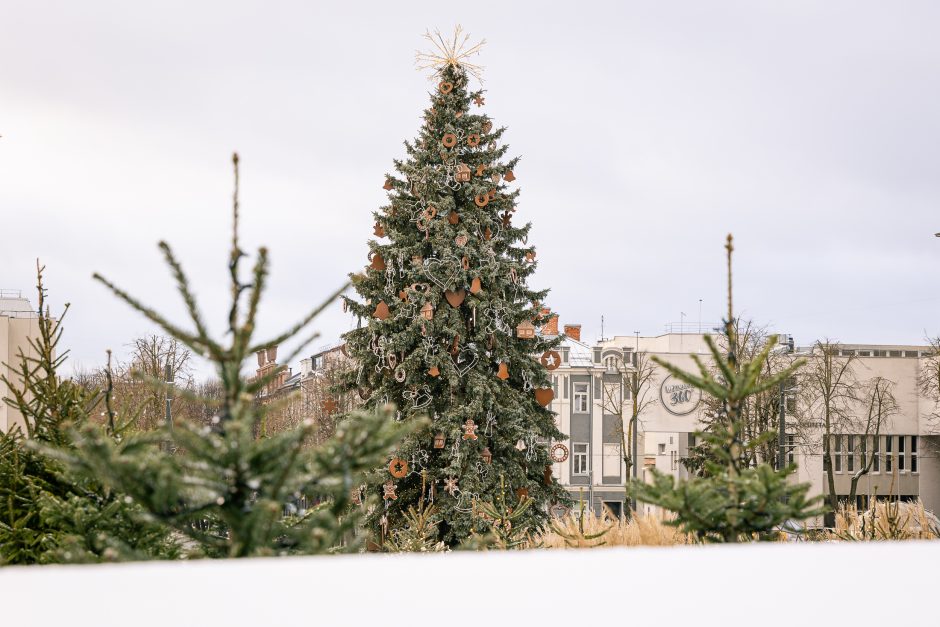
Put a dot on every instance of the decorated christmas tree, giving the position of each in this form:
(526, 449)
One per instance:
(451, 326)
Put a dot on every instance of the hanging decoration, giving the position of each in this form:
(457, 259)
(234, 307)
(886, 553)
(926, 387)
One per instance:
(487, 455)
(469, 429)
(427, 311)
(388, 184)
(450, 485)
(481, 200)
(453, 218)
(509, 176)
(389, 491)
(481, 170)
(473, 140)
(439, 440)
(487, 127)
(463, 173)
(544, 396)
(378, 262)
(475, 285)
(461, 240)
(455, 297)
(419, 396)
(550, 360)
(525, 330)
(434, 371)
(398, 468)
(379, 230)
(443, 272)
(503, 371)
(381, 311)
(328, 405)
(445, 87)
(520, 445)
(449, 140)
(558, 453)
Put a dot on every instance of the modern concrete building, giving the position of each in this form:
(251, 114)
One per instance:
(590, 378)
(18, 323)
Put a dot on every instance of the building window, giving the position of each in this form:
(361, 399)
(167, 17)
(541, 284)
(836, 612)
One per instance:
(580, 398)
(901, 453)
(791, 446)
(876, 454)
(838, 453)
(579, 457)
(913, 453)
(863, 446)
(612, 397)
(850, 451)
(564, 386)
(612, 362)
(612, 459)
(661, 449)
(889, 456)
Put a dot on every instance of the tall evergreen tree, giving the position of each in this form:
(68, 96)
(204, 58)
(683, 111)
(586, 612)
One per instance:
(451, 322)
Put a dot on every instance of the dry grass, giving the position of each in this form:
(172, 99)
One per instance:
(889, 520)
(642, 530)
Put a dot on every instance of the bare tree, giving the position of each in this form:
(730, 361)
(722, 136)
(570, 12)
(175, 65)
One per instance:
(878, 406)
(928, 380)
(628, 400)
(828, 388)
(760, 413)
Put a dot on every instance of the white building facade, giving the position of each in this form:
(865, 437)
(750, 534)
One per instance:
(590, 377)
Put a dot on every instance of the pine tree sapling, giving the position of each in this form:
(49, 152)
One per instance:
(451, 321)
(225, 490)
(733, 501)
(46, 513)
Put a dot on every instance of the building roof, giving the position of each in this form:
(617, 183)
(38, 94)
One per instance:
(580, 354)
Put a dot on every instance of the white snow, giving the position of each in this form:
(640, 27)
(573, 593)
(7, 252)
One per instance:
(773, 584)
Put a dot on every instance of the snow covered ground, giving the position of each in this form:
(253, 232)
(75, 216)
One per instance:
(774, 584)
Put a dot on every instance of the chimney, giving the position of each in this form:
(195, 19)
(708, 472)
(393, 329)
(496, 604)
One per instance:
(573, 331)
(306, 367)
(550, 327)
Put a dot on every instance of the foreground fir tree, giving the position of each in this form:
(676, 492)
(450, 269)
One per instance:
(732, 502)
(451, 322)
(222, 488)
(46, 513)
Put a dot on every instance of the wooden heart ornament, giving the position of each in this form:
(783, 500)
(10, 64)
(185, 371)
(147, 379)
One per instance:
(461, 240)
(453, 218)
(455, 297)
(544, 396)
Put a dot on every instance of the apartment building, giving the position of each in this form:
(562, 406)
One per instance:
(588, 389)
(18, 323)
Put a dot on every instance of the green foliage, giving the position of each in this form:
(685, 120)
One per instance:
(503, 524)
(419, 533)
(731, 502)
(439, 241)
(219, 486)
(46, 513)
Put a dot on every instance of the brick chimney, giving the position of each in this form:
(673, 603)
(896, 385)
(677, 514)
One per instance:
(573, 331)
(550, 327)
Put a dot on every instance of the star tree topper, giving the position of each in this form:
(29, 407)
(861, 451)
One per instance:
(453, 52)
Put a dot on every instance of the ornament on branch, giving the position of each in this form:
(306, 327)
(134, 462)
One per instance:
(419, 396)
(443, 272)
(455, 297)
(509, 176)
(473, 140)
(495, 178)
(450, 485)
(465, 359)
(487, 127)
(449, 140)
(439, 440)
(522, 493)
(478, 100)
(544, 396)
(559, 453)
(550, 360)
(388, 184)
(520, 445)
(398, 468)
(427, 311)
(377, 261)
(461, 240)
(389, 491)
(463, 173)
(547, 475)
(475, 285)
(503, 371)
(453, 218)
(481, 170)
(379, 230)
(381, 311)
(434, 371)
(400, 374)
(487, 455)
(469, 429)
(445, 87)
(481, 200)
(525, 330)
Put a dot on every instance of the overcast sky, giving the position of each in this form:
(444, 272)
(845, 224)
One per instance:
(647, 130)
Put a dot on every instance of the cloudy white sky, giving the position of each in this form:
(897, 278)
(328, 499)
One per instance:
(648, 130)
